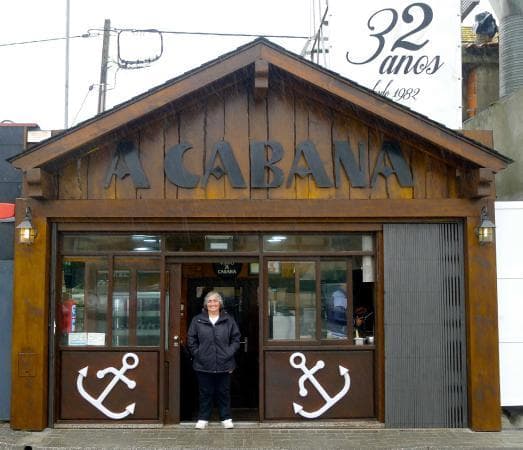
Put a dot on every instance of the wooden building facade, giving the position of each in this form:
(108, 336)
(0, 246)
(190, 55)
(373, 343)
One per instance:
(340, 228)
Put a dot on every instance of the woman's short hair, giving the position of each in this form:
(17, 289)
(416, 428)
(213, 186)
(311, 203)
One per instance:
(212, 294)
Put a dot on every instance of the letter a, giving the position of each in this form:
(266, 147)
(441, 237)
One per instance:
(230, 166)
(126, 161)
(399, 165)
(314, 166)
(343, 157)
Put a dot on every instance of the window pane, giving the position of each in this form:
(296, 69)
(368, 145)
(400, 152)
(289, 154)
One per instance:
(334, 301)
(363, 293)
(148, 309)
(110, 242)
(292, 287)
(282, 290)
(211, 243)
(307, 297)
(121, 297)
(317, 242)
(82, 312)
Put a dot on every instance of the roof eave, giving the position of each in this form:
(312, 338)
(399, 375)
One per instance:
(324, 79)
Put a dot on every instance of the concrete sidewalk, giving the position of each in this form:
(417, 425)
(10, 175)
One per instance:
(256, 436)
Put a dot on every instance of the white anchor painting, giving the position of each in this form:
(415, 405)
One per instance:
(129, 361)
(298, 361)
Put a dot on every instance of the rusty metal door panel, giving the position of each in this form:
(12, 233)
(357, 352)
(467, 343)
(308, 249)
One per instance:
(282, 384)
(424, 315)
(74, 405)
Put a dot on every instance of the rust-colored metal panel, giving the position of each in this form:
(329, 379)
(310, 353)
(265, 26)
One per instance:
(72, 180)
(73, 406)
(482, 332)
(320, 126)
(236, 133)
(282, 384)
(192, 123)
(214, 132)
(125, 187)
(419, 169)
(341, 131)
(274, 209)
(27, 364)
(29, 344)
(379, 190)
(394, 189)
(171, 138)
(452, 182)
(152, 159)
(436, 179)
(99, 163)
(281, 128)
(258, 132)
(301, 133)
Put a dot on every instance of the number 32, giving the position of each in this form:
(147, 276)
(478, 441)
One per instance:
(402, 41)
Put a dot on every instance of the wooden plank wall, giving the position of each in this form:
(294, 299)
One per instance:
(232, 114)
(30, 316)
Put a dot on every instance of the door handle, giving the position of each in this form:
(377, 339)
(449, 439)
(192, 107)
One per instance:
(176, 341)
(245, 342)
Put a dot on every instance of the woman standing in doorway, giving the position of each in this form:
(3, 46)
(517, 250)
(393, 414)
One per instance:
(213, 339)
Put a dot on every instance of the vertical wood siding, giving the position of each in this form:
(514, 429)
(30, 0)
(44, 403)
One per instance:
(232, 114)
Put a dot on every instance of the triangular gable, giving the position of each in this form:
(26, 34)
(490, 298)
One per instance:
(399, 116)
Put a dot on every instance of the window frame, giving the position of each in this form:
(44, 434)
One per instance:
(269, 343)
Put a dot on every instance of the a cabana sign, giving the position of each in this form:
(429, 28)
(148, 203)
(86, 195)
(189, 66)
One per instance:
(265, 170)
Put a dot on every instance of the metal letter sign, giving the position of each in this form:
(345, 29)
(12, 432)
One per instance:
(118, 376)
(297, 360)
(126, 161)
(264, 157)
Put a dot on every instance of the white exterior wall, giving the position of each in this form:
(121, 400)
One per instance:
(509, 245)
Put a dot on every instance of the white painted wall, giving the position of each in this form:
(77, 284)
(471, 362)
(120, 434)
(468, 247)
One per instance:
(509, 247)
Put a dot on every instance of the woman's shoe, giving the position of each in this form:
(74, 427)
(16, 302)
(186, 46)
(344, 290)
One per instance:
(227, 423)
(201, 424)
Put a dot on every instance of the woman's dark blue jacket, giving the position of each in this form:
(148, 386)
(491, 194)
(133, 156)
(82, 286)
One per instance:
(213, 347)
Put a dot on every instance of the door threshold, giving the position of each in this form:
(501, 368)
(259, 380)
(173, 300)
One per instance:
(347, 424)
(108, 425)
(352, 424)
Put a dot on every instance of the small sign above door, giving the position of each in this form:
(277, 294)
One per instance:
(227, 270)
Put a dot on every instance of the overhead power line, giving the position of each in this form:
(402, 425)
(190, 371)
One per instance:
(37, 41)
(195, 33)
(209, 33)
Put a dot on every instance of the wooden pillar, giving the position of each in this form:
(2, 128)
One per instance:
(482, 333)
(30, 319)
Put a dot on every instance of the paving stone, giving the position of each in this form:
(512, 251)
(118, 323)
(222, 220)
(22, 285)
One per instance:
(257, 437)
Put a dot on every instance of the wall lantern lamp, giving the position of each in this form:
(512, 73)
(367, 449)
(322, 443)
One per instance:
(26, 231)
(485, 231)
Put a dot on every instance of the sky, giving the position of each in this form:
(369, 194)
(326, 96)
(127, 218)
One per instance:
(32, 88)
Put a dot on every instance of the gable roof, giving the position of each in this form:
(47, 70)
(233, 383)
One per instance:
(92, 129)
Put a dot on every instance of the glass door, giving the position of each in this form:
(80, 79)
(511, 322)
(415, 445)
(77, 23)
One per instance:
(240, 297)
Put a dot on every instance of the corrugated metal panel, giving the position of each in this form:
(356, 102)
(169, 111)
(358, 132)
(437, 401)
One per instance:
(511, 54)
(425, 359)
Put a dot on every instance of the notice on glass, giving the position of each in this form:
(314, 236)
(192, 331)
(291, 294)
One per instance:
(77, 339)
(96, 339)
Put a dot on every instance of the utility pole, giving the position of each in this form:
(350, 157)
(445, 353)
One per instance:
(102, 88)
(66, 106)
